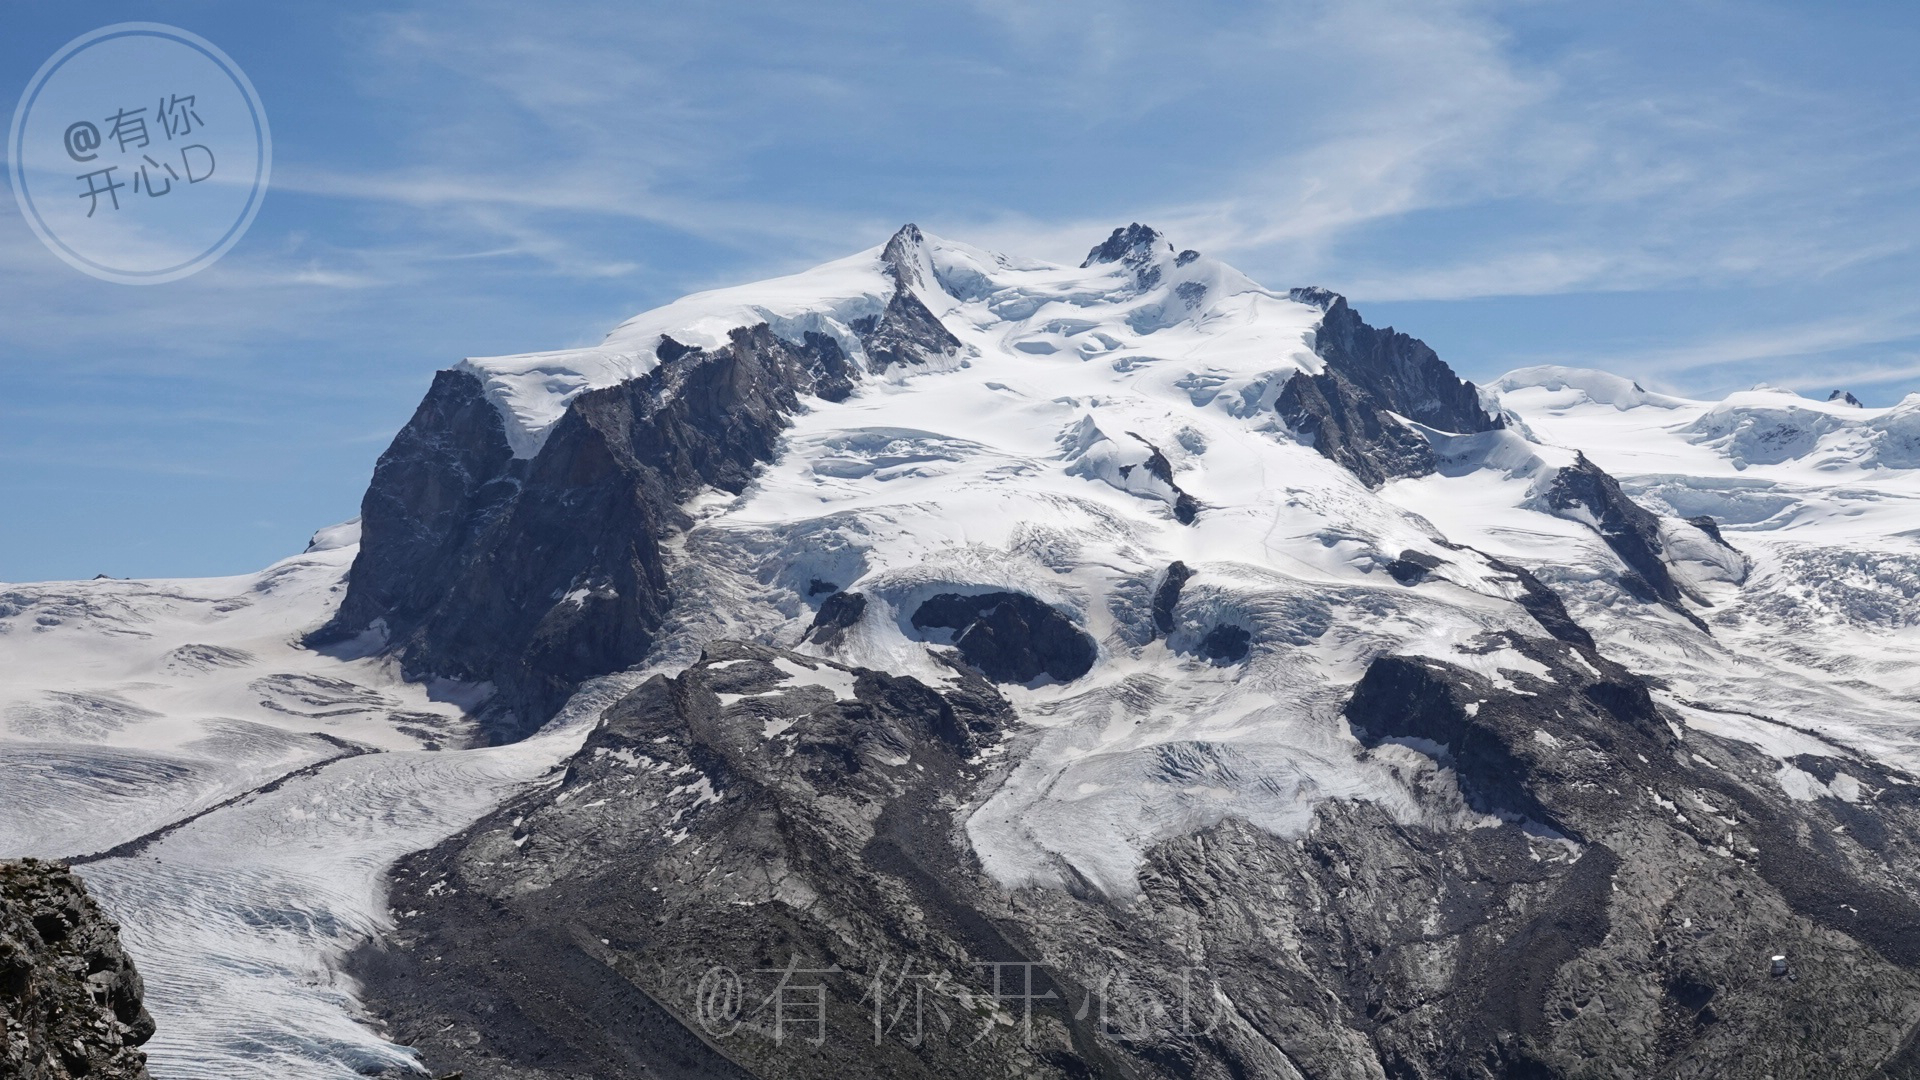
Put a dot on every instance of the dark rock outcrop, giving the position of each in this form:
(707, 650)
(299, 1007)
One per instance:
(1348, 409)
(537, 574)
(1707, 525)
(1544, 604)
(1010, 637)
(1846, 397)
(1587, 493)
(1399, 372)
(1139, 248)
(749, 821)
(1349, 427)
(906, 333)
(734, 855)
(1412, 567)
(1697, 846)
(446, 476)
(1226, 644)
(1167, 596)
(70, 999)
(1185, 507)
(837, 614)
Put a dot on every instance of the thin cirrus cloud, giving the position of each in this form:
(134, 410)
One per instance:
(1742, 351)
(1692, 193)
(1400, 151)
(1315, 128)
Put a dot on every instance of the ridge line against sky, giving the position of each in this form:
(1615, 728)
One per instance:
(1699, 195)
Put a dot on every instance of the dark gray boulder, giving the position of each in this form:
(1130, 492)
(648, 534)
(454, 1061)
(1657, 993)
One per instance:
(838, 613)
(1412, 567)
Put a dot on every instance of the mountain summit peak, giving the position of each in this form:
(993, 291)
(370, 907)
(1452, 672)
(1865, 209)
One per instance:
(1134, 243)
(903, 255)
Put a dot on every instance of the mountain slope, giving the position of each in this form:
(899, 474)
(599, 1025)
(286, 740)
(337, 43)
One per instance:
(1280, 702)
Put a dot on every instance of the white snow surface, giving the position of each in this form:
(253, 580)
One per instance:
(129, 706)
(1821, 499)
(1018, 464)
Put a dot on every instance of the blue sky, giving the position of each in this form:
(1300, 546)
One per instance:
(1700, 194)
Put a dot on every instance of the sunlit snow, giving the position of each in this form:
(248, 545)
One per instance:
(1016, 465)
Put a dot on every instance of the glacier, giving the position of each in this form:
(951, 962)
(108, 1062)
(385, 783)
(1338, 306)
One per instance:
(238, 795)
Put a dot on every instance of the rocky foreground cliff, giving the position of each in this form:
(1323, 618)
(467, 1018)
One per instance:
(70, 999)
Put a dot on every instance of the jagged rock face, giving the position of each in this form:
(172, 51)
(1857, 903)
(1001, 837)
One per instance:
(1138, 247)
(1401, 373)
(1369, 375)
(760, 809)
(1347, 425)
(70, 999)
(536, 575)
(1585, 492)
(906, 333)
(1010, 637)
(444, 477)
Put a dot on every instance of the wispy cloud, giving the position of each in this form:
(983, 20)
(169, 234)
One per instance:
(1905, 368)
(486, 177)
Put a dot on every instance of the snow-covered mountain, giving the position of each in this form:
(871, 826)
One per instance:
(937, 607)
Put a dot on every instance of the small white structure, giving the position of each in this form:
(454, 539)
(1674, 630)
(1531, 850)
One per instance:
(1779, 966)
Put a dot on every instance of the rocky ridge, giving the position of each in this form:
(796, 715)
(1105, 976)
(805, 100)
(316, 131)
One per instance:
(770, 816)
